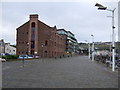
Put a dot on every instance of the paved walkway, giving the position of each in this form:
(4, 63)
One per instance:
(75, 72)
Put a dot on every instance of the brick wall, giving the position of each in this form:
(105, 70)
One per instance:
(48, 43)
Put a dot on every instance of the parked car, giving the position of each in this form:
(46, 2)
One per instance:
(2, 54)
(30, 56)
(36, 56)
(6, 54)
(2, 60)
(25, 57)
(22, 57)
(118, 62)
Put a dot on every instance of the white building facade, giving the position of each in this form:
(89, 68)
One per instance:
(9, 49)
(6, 48)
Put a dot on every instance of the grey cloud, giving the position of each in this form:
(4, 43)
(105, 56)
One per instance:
(83, 19)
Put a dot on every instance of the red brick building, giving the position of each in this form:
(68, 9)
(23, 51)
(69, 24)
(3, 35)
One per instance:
(36, 38)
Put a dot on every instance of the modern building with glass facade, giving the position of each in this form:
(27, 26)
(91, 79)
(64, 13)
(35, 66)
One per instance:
(72, 46)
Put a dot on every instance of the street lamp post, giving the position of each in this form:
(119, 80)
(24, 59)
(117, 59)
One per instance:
(1, 48)
(101, 7)
(42, 50)
(35, 54)
(88, 48)
(28, 48)
(92, 47)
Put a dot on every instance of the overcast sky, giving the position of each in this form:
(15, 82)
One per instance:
(81, 18)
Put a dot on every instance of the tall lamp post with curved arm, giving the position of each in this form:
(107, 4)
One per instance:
(101, 7)
(92, 47)
(42, 54)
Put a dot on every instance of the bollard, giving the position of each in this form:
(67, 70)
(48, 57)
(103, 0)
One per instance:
(23, 61)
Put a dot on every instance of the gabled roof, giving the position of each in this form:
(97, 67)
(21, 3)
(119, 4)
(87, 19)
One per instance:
(44, 24)
(22, 25)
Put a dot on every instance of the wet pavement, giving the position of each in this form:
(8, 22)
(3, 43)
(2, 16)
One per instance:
(72, 72)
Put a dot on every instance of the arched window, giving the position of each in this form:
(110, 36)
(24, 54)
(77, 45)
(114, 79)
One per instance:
(45, 51)
(45, 54)
(32, 37)
(33, 24)
(46, 43)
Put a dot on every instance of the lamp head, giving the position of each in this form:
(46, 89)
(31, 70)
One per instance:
(100, 7)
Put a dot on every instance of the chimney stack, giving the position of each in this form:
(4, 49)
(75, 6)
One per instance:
(34, 16)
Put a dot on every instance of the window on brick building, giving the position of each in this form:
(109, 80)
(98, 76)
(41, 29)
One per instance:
(32, 44)
(46, 43)
(45, 53)
(33, 24)
(55, 43)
